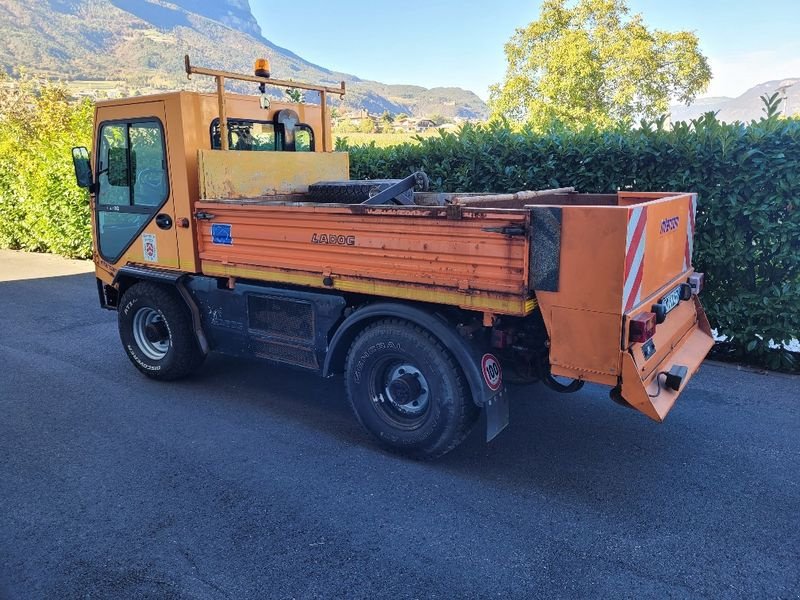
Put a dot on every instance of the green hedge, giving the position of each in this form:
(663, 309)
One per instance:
(747, 177)
(41, 209)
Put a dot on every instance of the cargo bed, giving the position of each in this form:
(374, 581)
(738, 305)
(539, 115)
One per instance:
(461, 249)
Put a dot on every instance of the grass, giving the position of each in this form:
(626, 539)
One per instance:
(382, 140)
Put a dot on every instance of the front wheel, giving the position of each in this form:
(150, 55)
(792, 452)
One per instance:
(406, 389)
(156, 331)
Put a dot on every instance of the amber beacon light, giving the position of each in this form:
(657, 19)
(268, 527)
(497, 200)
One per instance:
(262, 67)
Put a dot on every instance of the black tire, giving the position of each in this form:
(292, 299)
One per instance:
(167, 325)
(340, 192)
(560, 387)
(556, 384)
(394, 355)
(347, 192)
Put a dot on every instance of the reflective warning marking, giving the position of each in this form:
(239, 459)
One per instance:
(690, 227)
(634, 257)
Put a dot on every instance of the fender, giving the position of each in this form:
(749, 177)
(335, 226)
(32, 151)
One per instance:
(130, 274)
(468, 354)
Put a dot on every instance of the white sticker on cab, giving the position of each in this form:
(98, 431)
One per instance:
(150, 247)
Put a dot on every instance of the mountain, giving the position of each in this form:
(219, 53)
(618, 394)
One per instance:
(746, 107)
(681, 112)
(137, 46)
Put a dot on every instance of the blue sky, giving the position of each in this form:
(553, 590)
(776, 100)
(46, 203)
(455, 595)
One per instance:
(460, 43)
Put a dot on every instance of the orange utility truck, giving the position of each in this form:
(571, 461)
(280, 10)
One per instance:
(227, 223)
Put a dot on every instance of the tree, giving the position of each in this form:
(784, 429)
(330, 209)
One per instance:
(41, 208)
(295, 95)
(594, 62)
(367, 125)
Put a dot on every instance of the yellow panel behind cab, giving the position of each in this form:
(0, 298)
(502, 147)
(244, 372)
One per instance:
(238, 174)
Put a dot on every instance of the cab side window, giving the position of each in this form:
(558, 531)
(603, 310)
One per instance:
(148, 172)
(132, 182)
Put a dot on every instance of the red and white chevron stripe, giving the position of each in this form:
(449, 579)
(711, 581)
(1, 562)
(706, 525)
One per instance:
(634, 257)
(687, 259)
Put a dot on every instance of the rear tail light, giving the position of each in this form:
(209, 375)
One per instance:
(696, 282)
(643, 327)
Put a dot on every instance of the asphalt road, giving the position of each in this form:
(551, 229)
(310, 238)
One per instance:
(250, 481)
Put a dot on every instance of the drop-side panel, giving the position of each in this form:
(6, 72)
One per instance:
(417, 253)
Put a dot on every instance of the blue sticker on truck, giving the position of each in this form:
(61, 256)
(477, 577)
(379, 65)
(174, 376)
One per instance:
(221, 234)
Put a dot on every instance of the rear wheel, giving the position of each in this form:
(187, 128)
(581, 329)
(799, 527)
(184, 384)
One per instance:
(156, 331)
(406, 389)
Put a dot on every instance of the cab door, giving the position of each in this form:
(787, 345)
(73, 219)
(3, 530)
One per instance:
(134, 219)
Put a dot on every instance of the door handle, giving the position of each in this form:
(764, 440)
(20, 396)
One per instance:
(164, 221)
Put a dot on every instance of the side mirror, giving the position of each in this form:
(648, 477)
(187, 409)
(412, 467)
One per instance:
(83, 170)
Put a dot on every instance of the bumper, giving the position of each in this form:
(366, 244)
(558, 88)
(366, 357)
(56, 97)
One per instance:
(641, 388)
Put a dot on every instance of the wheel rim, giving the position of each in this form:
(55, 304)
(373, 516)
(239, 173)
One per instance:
(151, 333)
(400, 393)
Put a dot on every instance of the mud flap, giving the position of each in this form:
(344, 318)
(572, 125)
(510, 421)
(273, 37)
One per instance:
(496, 415)
(651, 396)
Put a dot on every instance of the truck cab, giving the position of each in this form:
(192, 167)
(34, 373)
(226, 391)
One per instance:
(146, 168)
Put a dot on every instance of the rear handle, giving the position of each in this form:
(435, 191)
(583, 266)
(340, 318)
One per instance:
(508, 230)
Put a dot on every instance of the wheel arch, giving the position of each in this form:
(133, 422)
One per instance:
(130, 275)
(466, 353)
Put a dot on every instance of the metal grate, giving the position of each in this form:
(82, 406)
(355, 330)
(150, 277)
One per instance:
(285, 353)
(293, 319)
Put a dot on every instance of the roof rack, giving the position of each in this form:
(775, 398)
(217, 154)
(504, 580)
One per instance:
(221, 76)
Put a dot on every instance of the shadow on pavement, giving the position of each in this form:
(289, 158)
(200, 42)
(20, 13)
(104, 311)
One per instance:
(554, 442)
(567, 444)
